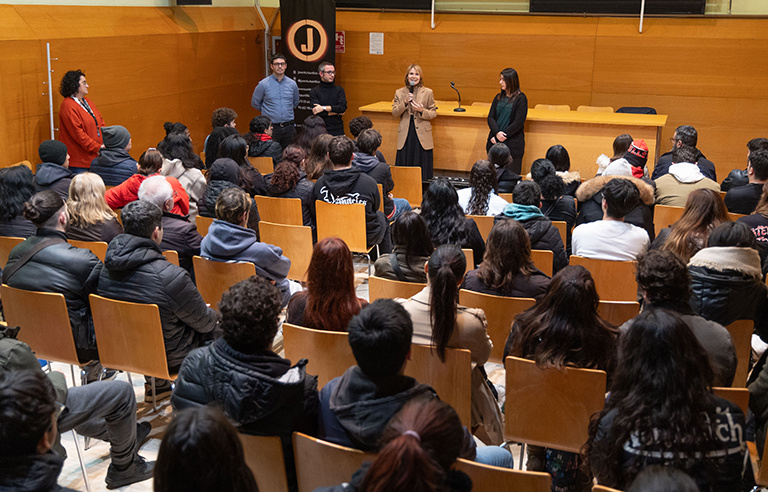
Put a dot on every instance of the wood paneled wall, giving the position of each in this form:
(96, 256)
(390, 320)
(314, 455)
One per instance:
(144, 66)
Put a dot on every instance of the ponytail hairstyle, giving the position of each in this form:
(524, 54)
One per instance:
(42, 209)
(150, 162)
(445, 269)
(419, 446)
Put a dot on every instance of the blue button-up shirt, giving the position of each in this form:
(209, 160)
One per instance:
(276, 99)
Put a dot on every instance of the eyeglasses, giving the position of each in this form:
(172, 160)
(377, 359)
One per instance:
(279, 64)
(329, 71)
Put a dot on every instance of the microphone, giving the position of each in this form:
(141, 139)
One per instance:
(411, 85)
(458, 109)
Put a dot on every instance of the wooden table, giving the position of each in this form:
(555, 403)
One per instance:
(460, 137)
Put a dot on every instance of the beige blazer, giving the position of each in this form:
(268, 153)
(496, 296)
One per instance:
(403, 110)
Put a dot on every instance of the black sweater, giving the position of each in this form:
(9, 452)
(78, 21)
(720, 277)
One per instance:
(330, 94)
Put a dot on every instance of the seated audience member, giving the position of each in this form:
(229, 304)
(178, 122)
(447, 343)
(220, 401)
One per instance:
(657, 478)
(223, 125)
(179, 234)
(743, 199)
(413, 246)
(665, 283)
(45, 262)
(620, 146)
(317, 161)
(150, 163)
(558, 156)
(262, 393)
(251, 180)
(105, 411)
(554, 204)
(660, 411)
(114, 164)
(740, 177)
(543, 234)
(290, 181)
(16, 187)
(230, 240)
(684, 135)
(446, 221)
(564, 330)
(499, 156)
(682, 178)
(202, 439)
(365, 159)
(612, 238)
(758, 224)
(53, 173)
(418, 449)
(177, 128)
(348, 184)
(507, 269)
(259, 140)
(330, 300)
(312, 127)
(481, 198)
(726, 278)
(180, 162)
(223, 174)
(135, 270)
(357, 126)
(438, 320)
(90, 218)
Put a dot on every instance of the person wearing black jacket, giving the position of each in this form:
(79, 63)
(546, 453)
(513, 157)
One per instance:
(684, 135)
(260, 143)
(328, 100)
(114, 164)
(53, 173)
(506, 118)
(744, 199)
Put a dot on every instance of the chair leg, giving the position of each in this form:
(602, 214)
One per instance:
(71, 368)
(82, 463)
(130, 381)
(369, 260)
(522, 454)
(154, 395)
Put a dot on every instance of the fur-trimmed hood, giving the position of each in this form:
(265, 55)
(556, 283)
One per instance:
(590, 188)
(568, 177)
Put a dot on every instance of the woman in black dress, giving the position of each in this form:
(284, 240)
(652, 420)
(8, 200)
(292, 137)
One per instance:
(506, 118)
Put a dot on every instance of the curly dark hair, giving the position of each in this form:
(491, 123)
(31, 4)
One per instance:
(482, 180)
(285, 177)
(70, 83)
(27, 402)
(16, 187)
(249, 314)
(663, 277)
(544, 174)
(313, 127)
(222, 116)
(444, 217)
(358, 124)
(295, 155)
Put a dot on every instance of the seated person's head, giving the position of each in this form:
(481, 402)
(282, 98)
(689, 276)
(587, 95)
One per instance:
(340, 151)
(357, 125)
(732, 234)
(527, 193)
(223, 117)
(758, 161)
(684, 153)
(54, 152)
(150, 162)
(369, 141)
(116, 137)
(143, 219)
(260, 124)
(27, 413)
(157, 191)
(663, 277)
(620, 197)
(757, 144)
(249, 315)
(46, 209)
(558, 156)
(233, 205)
(224, 169)
(380, 337)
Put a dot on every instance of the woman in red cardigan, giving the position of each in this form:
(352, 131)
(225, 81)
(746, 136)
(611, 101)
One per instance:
(79, 122)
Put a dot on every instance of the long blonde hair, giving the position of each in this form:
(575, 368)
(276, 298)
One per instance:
(86, 203)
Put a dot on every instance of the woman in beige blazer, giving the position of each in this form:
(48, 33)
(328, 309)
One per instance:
(415, 105)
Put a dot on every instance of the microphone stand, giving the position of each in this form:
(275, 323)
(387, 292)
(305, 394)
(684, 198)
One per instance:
(458, 109)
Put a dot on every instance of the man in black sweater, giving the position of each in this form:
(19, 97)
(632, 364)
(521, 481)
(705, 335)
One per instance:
(328, 100)
(743, 199)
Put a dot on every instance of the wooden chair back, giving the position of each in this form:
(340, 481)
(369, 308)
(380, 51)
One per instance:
(618, 312)
(7, 243)
(741, 334)
(603, 488)
(130, 336)
(99, 248)
(24, 163)
(214, 278)
(484, 224)
(323, 464)
(202, 224)
(279, 210)
(506, 196)
(544, 260)
(665, 216)
(734, 217)
(382, 288)
(470, 256)
(614, 280)
(264, 456)
(551, 407)
(407, 181)
(553, 107)
(595, 109)
(381, 197)
(328, 352)
(172, 256)
(487, 477)
(500, 313)
(562, 228)
(264, 165)
(294, 240)
(737, 396)
(345, 221)
(44, 322)
(451, 379)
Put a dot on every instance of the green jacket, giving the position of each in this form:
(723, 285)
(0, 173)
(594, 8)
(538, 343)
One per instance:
(16, 355)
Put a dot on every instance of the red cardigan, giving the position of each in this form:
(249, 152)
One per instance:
(79, 133)
(128, 191)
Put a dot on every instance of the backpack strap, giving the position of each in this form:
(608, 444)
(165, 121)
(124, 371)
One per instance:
(8, 272)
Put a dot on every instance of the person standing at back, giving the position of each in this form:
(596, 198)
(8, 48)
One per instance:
(79, 122)
(276, 96)
(328, 100)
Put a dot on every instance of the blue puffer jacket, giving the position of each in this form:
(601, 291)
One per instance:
(114, 166)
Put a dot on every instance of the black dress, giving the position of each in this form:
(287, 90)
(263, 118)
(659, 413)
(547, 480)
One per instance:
(413, 154)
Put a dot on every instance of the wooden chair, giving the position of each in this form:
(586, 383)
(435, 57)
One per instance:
(24, 163)
(264, 165)
(553, 107)
(722, 194)
(665, 216)
(264, 456)
(202, 224)
(7, 243)
(279, 210)
(484, 223)
(614, 280)
(99, 248)
(595, 109)
(407, 181)
(734, 217)
(741, 334)
(738, 396)
(618, 312)
(500, 313)
(544, 260)
(551, 407)
(322, 464)
(470, 256)
(345, 221)
(296, 243)
(382, 288)
(487, 477)
(562, 228)
(214, 278)
(506, 196)
(328, 352)
(130, 338)
(172, 256)
(602, 488)
(381, 197)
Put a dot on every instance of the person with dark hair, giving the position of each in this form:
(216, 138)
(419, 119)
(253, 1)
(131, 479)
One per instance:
(620, 146)
(481, 198)
(357, 126)
(53, 173)
(684, 135)
(251, 180)
(202, 439)
(682, 178)
(135, 270)
(290, 181)
(657, 478)
(317, 161)
(114, 164)
(612, 238)
(412, 247)
(744, 199)
(328, 100)
(312, 127)
(223, 117)
(90, 218)
(661, 411)
(348, 184)
(330, 300)
(224, 174)
(180, 162)
(506, 179)
(213, 142)
(740, 177)
(259, 140)
(758, 224)
(555, 204)
(276, 96)
(506, 118)
(80, 122)
(177, 127)
(446, 221)
(260, 391)
(16, 187)
(543, 234)
(414, 104)
(558, 156)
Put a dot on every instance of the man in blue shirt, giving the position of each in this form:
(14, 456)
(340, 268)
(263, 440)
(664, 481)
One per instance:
(275, 97)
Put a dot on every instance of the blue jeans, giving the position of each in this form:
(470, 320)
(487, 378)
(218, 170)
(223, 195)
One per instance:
(494, 456)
